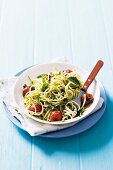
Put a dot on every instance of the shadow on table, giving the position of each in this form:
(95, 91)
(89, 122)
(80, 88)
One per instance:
(94, 138)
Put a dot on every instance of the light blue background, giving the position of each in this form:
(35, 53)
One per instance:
(36, 31)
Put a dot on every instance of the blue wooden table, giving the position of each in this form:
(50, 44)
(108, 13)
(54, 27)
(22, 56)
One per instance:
(36, 31)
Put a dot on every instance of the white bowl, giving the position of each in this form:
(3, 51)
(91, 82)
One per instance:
(94, 88)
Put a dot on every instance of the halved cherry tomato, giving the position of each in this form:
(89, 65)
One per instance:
(89, 98)
(67, 71)
(56, 115)
(25, 90)
(38, 108)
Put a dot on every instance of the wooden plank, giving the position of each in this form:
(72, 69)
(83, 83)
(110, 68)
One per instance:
(15, 145)
(55, 153)
(16, 52)
(90, 42)
(52, 34)
(16, 35)
(107, 14)
(88, 36)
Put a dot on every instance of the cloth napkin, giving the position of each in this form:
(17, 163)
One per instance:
(33, 127)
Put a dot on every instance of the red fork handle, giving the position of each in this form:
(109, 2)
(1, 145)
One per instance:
(92, 75)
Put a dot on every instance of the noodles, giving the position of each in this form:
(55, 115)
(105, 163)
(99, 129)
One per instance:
(53, 92)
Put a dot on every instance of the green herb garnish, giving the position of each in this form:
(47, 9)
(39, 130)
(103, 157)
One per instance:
(45, 83)
(81, 111)
(42, 75)
(30, 80)
(75, 81)
(38, 98)
(55, 73)
(45, 86)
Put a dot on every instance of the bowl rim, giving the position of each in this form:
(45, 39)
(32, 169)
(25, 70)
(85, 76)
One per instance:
(74, 120)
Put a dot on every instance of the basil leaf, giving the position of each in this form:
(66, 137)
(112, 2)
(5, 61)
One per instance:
(51, 74)
(41, 75)
(38, 98)
(74, 86)
(45, 86)
(75, 81)
(55, 73)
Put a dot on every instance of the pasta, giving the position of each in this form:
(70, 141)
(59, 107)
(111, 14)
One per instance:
(50, 96)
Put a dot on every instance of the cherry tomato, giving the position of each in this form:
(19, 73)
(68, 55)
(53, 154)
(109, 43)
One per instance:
(38, 108)
(56, 115)
(25, 90)
(89, 98)
(67, 71)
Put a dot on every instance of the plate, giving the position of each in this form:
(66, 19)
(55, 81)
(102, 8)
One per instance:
(94, 89)
(74, 130)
